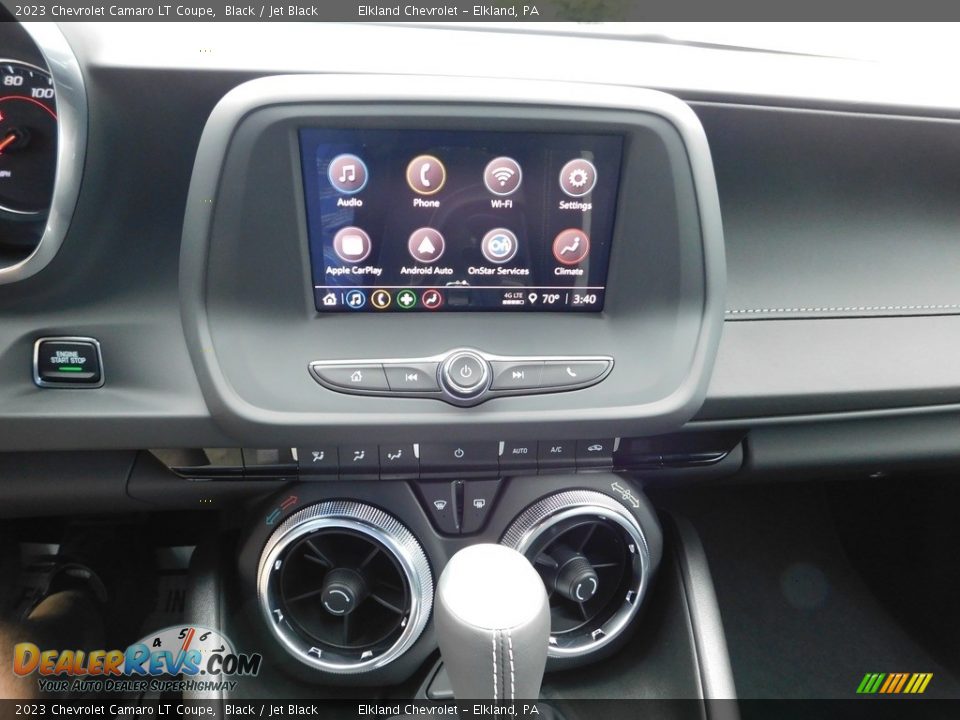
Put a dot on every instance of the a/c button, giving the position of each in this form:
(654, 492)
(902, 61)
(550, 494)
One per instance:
(557, 454)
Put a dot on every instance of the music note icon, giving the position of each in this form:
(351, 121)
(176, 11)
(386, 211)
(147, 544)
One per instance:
(347, 173)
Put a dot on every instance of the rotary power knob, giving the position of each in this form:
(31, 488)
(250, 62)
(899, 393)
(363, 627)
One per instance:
(465, 374)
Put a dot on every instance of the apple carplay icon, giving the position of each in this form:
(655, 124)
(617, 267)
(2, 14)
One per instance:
(426, 245)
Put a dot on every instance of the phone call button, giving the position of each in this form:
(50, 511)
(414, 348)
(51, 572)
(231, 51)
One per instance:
(559, 373)
(426, 175)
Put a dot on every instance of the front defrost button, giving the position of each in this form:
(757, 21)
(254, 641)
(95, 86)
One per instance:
(440, 500)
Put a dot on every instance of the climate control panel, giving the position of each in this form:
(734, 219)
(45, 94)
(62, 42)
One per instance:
(461, 377)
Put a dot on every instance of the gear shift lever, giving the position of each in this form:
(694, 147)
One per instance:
(493, 624)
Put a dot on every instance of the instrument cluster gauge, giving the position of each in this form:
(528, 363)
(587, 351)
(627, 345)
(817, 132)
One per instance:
(28, 141)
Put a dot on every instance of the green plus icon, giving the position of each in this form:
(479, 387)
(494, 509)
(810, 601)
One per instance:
(406, 299)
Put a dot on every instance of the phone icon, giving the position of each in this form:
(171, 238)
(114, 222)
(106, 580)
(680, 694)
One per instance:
(426, 175)
(571, 372)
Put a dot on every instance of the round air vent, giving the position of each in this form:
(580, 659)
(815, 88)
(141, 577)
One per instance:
(594, 560)
(345, 587)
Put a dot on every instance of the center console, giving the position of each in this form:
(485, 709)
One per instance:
(446, 299)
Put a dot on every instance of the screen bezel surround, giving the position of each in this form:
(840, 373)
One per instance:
(661, 328)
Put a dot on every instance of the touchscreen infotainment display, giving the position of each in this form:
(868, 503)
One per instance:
(440, 221)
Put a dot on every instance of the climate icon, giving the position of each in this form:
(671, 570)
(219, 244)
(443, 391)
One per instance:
(502, 176)
(571, 246)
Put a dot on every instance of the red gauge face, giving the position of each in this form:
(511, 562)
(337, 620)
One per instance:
(28, 139)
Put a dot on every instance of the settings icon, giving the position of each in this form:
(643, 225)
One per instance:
(578, 177)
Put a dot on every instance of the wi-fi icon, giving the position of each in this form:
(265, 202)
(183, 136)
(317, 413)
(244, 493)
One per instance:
(502, 175)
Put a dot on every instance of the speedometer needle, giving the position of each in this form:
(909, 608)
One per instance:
(7, 141)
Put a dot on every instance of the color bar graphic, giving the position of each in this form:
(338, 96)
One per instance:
(894, 683)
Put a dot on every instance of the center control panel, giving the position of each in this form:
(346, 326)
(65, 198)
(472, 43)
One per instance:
(458, 481)
(461, 377)
(386, 192)
(403, 461)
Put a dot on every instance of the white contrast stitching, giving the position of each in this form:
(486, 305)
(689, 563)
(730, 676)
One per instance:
(493, 644)
(513, 689)
(862, 308)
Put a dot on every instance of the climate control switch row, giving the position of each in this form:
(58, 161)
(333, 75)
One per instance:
(461, 377)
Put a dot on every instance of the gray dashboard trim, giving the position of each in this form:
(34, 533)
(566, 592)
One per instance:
(71, 100)
(713, 657)
(226, 404)
(750, 421)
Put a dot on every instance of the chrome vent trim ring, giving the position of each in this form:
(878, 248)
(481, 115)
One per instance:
(374, 523)
(552, 510)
